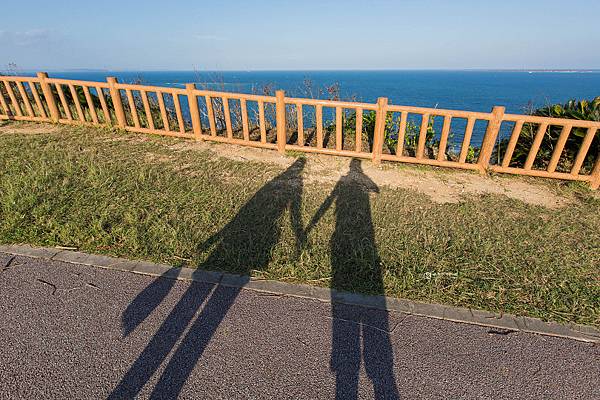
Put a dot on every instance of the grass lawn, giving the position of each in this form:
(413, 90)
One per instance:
(149, 198)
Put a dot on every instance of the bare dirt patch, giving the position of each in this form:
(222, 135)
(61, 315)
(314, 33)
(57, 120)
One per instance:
(28, 128)
(442, 186)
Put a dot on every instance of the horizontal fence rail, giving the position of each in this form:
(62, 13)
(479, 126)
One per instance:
(377, 131)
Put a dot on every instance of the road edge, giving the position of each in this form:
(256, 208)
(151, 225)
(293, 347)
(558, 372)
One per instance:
(506, 322)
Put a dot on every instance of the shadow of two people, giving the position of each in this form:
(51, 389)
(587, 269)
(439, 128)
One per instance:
(248, 241)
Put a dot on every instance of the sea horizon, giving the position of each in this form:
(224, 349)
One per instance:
(557, 70)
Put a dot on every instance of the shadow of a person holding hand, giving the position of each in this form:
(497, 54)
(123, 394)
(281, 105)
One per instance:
(244, 244)
(356, 265)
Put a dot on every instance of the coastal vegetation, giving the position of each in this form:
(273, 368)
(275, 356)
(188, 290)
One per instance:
(588, 110)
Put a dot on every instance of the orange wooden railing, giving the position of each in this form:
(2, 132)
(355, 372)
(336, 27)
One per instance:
(130, 107)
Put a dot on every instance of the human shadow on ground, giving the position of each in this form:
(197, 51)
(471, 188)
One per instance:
(146, 301)
(244, 244)
(356, 266)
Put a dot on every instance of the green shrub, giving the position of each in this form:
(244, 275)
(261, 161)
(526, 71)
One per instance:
(390, 140)
(588, 110)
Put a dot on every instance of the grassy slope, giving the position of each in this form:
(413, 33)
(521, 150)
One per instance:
(137, 197)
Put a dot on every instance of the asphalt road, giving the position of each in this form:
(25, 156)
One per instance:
(71, 331)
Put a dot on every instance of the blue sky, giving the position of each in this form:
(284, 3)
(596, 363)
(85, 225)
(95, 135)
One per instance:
(300, 35)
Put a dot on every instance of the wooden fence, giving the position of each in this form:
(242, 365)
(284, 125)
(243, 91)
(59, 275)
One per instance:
(279, 123)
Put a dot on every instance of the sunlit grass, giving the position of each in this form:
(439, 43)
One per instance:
(137, 196)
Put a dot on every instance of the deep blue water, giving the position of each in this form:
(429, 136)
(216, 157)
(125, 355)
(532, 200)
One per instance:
(465, 90)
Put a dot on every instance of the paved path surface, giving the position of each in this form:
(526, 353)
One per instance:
(71, 331)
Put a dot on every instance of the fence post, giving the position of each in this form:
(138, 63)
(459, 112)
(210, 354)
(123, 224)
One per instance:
(595, 182)
(489, 140)
(379, 131)
(280, 120)
(194, 112)
(48, 96)
(115, 94)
